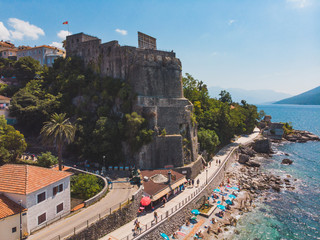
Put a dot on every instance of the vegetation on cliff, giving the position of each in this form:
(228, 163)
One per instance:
(219, 120)
(99, 107)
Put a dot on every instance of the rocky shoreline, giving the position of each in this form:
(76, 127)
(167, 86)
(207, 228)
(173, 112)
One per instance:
(254, 183)
(301, 136)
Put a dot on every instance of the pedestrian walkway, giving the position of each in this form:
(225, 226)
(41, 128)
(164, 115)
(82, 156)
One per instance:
(125, 230)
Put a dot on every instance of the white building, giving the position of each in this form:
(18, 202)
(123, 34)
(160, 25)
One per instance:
(44, 54)
(10, 219)
(43, 192)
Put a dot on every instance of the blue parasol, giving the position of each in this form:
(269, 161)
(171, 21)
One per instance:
(217, 190)
(228, 201)
(221, 207)
(165, 236)
(235, 188)
(195, 212)
(232, 196)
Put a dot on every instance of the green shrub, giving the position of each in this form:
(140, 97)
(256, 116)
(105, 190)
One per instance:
(85, 186)
(47, 160)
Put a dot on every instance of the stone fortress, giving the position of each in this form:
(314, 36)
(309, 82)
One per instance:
(155, 76)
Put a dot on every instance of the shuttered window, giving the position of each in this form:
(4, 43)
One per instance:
(59, 207)
(41, 197)
(42, 218)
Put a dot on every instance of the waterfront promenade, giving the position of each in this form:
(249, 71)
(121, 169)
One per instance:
(125, 232)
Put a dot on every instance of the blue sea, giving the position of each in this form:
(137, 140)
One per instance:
(289, 214)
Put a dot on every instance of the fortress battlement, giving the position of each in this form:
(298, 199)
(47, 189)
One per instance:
(155, 76)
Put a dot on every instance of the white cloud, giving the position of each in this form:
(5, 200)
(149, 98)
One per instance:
(63, 34)
(24, 29)
(56, 44)
(231, 21)
(122, 32)
(4, 32)
(299, 3)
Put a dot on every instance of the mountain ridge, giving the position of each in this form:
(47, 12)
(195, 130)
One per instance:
(311, 97)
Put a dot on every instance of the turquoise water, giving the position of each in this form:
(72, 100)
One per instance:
(289, 214)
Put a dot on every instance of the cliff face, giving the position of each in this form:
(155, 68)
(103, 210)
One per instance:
(155, 76)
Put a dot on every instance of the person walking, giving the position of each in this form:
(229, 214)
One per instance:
(155, 215)
(198, 182)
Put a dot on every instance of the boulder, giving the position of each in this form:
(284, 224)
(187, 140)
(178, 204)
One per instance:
(276, 187)
(287, 161)
(252, 163)
(247, 151)
(243, 158)
(262, 146)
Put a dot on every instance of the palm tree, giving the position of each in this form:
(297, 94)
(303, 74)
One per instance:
(58, 131)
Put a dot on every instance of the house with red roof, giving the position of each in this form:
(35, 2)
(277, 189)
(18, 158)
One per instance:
(44, 195)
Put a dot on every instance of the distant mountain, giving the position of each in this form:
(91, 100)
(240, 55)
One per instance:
(251, 96)
(311, 97)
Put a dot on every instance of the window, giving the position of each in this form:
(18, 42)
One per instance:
(42, 218)
(41, 197)
(57, 189)
(14, 229)
(59, 207)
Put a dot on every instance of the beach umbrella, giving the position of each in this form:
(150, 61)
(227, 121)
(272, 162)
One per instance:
(235, 188)
(221, 207)
(217, 190)
(165, 236)
(229, 202)
(145, 201)
(232, 196)
(195, 212)
(228, 186)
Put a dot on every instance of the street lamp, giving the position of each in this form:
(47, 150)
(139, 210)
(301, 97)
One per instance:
(206, 175)
(104, 160)
(20, 201)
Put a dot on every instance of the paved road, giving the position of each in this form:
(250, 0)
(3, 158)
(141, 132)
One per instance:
(119, 193)
(125, 230)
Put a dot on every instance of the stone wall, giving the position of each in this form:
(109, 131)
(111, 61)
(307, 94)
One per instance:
(178, 218)
(112, 221)
(191, 170)
(156, 77)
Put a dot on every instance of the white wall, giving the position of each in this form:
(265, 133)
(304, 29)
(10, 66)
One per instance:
(16, 198)
(49, 205)
(6, 225)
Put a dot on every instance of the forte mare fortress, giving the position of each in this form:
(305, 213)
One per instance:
(155, 76)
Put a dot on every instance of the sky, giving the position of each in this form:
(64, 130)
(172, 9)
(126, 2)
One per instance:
(248, 44)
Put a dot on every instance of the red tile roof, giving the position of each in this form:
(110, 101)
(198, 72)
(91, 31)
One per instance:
(4, 98)
(153, 188)
(25, 179)
(8, 207)
(6, 44)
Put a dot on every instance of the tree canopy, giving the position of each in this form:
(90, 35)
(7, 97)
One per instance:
(218, 120)
(12, 142)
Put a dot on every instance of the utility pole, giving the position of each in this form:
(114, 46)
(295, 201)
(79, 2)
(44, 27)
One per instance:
(20, 201)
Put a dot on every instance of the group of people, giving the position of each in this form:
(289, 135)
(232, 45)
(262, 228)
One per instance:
(220, 214)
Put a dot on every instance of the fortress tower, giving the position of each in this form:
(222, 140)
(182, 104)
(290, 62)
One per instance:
(155, 76)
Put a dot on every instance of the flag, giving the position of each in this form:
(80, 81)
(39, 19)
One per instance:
(66, 22)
